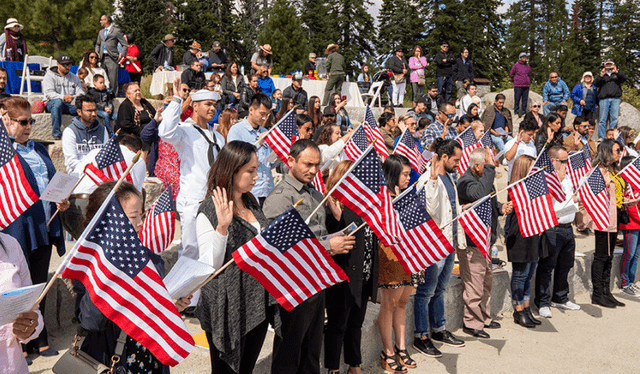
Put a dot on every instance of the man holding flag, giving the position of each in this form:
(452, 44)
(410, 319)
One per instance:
(443, 206)
(297, 348)
(475, 263)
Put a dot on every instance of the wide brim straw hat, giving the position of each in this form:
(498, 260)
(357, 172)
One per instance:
(13, 22)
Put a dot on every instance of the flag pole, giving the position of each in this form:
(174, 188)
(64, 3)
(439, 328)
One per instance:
(217, 272)
(56, 275)
(67, 198)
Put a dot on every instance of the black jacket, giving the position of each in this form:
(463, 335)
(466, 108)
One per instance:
(520, 249)
(160, 54)
(396, 65)
(308, 66)
(541, 139)
(471, 188)
(218, 58)
(245, 98)
(195, 80)
(104, 99)
(444, 68)
(299, 97)
(128, 121)
(188, 58)
(609, 86)
(439, 100)
(463, 70)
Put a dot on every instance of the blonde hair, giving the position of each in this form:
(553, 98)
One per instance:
(338, 172)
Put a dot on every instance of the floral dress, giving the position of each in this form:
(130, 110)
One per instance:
(168, 167)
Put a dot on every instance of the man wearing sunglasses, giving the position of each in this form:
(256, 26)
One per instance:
(60, 87)
(580, 136)
(554, 93)
(442, 127)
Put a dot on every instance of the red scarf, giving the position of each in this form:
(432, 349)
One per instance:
(11, 48)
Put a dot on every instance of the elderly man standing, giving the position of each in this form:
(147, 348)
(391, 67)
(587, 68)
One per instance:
(107, 48)
(60, 87)
(475, 270)
(335, 71)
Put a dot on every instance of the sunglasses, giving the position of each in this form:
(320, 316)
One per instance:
(554, 77)
(25, 122)
(448, 115)
(535, 106)
(93, 57)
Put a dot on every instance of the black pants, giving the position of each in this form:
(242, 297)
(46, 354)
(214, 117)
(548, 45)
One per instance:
(250, 346)
(344, 326)
(135, 77)
(562, 248)
(298, 350)
(39, 267)
(601, 266)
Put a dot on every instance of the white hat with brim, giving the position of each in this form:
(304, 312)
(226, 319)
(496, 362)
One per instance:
(202, 95)
(585, 74)
(13, 22)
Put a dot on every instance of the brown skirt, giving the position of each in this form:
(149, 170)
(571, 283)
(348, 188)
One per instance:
(391, 273)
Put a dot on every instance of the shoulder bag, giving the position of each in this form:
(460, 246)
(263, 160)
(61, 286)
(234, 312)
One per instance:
(75, 361)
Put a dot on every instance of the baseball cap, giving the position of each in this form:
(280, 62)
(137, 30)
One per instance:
(522, 54)
(329, 111)
(64, 59)
(216, 44)
(609, 62)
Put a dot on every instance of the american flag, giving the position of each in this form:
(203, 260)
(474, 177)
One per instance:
(318, 182)
(476, 222)
(159, 226)
(631, 173)
(289, 261)
(408, 147)
(532, 204)
(551, 175)
(373, 132)
(112, 263)
(422, 243)
(356, 144)
(468, 142)
(595, 198)
(364, 190)
(109, 164)
(15, 190)
(283, 135)
(488, 143)
(620, 140)
(578, 166)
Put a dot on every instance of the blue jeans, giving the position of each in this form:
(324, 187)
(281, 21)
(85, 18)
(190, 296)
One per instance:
(629, 259)
(58, 107)
(445, 83)
(550, 107)
(521, 95)
(521, 281)
(608, 108)
(428, 306)
(107, 118)
(499, 141)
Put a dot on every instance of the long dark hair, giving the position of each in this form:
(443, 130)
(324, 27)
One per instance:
(98, 196)
(604, 157)
(85, 60)
(332, 103)
(227, 73)
(392, 168)
(325, 134)
(315, 114)
(557, 136)
(231, 158)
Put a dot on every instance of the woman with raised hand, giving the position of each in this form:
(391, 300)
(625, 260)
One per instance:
(233, 307)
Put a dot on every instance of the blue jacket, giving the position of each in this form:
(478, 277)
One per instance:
(149, 135)
(266, 85)
(576, 96)
(30, 229)
(555, 93)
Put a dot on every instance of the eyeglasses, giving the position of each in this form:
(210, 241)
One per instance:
(535, 106)
(448, 115)
(616, 150)
(93, 57)
(25, 122)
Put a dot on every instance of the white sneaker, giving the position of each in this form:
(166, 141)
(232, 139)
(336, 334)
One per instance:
(636, 289)
(566, 306)
(631, 290)
(545, 312)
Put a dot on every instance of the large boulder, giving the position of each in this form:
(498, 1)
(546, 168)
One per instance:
(629, 116)
(489, 98)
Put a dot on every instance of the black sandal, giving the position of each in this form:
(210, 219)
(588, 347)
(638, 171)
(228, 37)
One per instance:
(391, 364)
(403, 355)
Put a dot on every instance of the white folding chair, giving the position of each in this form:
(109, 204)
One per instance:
(45, 63)
(374, 93)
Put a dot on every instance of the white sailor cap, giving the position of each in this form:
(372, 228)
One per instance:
(202, 95)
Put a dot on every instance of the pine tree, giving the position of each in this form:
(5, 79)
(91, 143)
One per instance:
(50, 29)
(194, 21)
(442, 25)
(395, 29)
(319, 23)
(356, 33)
(584, 44)
(555, 30)
(523, 35)
(288, 41)
(249, 22)
(147, 34)
(624, 38)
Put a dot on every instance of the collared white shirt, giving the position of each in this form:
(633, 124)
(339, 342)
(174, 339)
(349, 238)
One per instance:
(566, 211)
(191, 147)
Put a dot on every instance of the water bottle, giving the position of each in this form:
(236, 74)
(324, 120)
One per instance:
(494, 252)
(242, 70)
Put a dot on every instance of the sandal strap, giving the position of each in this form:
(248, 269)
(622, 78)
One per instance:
(395, 365)
(404, 356)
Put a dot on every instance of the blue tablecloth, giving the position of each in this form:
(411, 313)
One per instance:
(13, 79)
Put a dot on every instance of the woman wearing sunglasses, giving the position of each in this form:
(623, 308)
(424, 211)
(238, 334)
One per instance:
(534, 115)
(91, 62)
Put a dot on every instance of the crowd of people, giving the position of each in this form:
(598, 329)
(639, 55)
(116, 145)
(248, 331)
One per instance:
(208, 142)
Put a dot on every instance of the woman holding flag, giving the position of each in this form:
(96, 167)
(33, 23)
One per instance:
(233, 307)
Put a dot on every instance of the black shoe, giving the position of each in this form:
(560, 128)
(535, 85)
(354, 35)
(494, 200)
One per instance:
(447, 338)
(475, 333)
(492, 325)
(586, 231)
(610, 297)
(531, 317)
(48, 352)
(426, 347)
(29, 361)
(521, 318)
(190, 311)
(602, 301)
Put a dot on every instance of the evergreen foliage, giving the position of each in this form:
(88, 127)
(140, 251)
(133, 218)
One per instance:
(356, 32)
(288, 41)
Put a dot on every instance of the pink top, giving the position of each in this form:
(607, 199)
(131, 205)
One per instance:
(417, 67)
(14, 273)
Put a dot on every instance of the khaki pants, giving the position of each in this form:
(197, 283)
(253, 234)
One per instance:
(477, 280)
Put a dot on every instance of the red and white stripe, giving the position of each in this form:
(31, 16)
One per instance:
(279, 143)
(596, 205)
(375, 136)
(110, 173)
(15, 191)
(631, 173)
(534, 216)
(318, 182)
(479, 233)
(292, 276)
(463, 165)
(422, 247)
(140, 306)
(158, 230)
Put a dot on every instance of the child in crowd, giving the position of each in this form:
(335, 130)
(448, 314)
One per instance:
(215, 78)
(609, 134)
(104, 101)
(82, 74)
(276, 100)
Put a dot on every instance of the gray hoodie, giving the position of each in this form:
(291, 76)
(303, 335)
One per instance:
(56, 86)
(78, 140)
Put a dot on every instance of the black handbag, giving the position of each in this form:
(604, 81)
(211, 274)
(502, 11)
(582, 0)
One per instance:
(623, 216)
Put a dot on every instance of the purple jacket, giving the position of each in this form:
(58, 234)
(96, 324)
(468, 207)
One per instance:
(417, 67)
(520, 74)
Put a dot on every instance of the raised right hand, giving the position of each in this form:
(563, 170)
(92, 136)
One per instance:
(435, 166)
(224, 209)
(176, 87)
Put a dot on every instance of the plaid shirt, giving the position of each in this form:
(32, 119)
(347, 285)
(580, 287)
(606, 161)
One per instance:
(434, 131)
